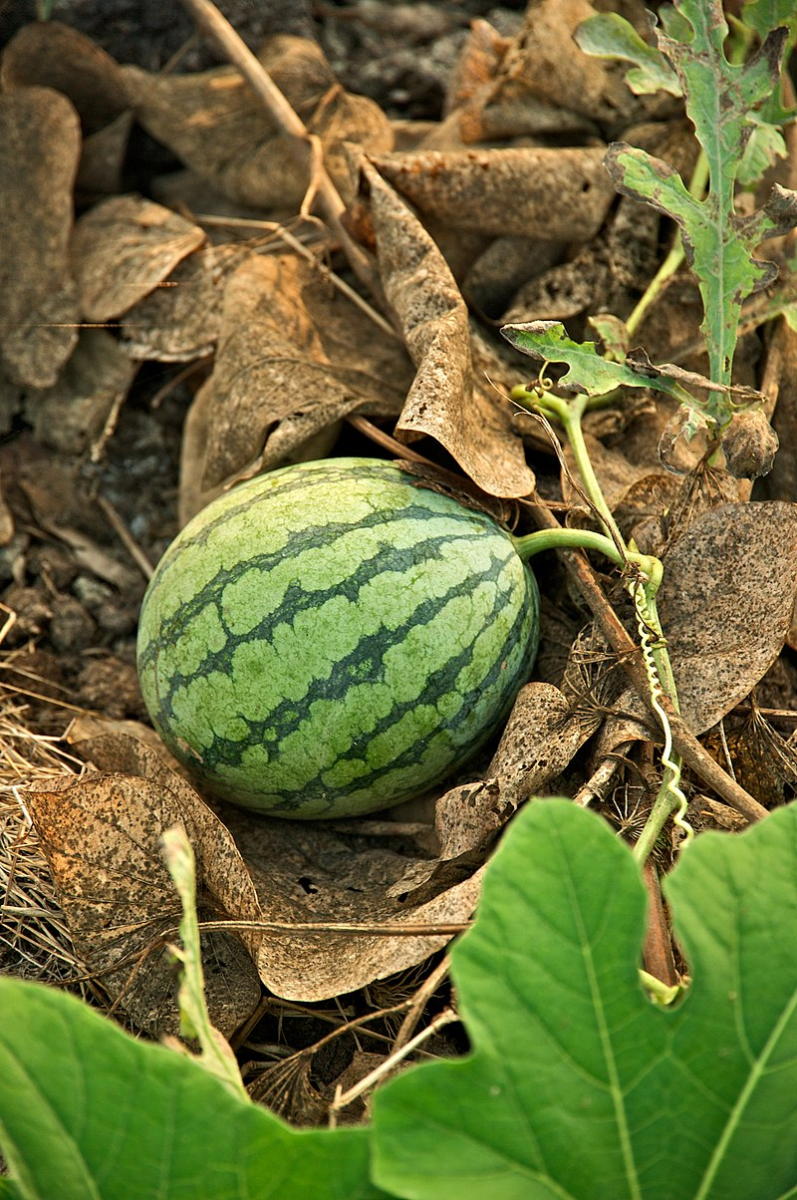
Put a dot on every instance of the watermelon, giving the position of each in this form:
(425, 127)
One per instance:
(333, 638)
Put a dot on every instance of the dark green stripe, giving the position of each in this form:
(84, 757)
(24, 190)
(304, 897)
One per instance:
(306, 541)
(297, 600)
(285, 719)
(305, 481)
(438, 685)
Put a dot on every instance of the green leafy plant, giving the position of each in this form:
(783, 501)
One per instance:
(735, 110)
(577, 1084)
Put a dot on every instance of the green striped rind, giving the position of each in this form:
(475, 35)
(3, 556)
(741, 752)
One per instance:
(332, 638)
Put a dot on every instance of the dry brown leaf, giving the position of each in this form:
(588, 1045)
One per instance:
(35, 351)
(726, 603)
(123, 249)
(310, 873)
(537, 193)
(49, 54)
(182, 320)
(71, 414)
(725, 607)
(473, 424)
(544, 64)
(216, 124)
(315, 874)
(483, 105)
(100, 834)
(476, 66)
(53, 55)
(294, 358)
(39, 151)
(89, 727)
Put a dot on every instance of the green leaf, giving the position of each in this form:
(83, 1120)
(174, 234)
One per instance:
(718, 245)
(587, 371)
(608, 35)
(725, 102)
(764, 15)
(86, 1111)
(577, 1085)
(764, 147)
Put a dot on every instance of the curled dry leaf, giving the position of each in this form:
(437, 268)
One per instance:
(749, 445)
(39, 151)
(489, 101)
(443, 401)
(182, 321)
(50, 54)
(100, 835)
(544, 63)
(71, 414)
(216, 124)
(122, 249)
(540, 193)
(294, 358)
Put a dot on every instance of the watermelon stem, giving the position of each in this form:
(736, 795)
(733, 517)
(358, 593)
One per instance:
(643, 575)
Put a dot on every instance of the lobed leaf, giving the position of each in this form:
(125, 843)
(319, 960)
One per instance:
(86, 1111)
(608, 35)
(735, 111)
(587, 371)
(577, 1085)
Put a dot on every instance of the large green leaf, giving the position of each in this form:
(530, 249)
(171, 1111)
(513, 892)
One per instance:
(87, 1112)
(577, 1085)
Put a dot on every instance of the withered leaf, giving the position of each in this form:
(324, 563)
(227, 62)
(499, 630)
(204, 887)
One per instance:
(100, 836)
(544, 63)
(301, 873)
(725, 607)
(182, 321)
(216, 124)
(482, 105)
(444, 401)
(71, 414)
(39, 151)
(123, 249)
(531, 192)
(294, 357)
(311, 873)
(35, 351)
(50, 54)
(726, 603)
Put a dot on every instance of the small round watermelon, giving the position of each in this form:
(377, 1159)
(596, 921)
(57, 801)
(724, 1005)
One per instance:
(333, 638)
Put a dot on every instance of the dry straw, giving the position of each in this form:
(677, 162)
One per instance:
(35, 942)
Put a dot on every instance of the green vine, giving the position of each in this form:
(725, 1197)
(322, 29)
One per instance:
(642, 576)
